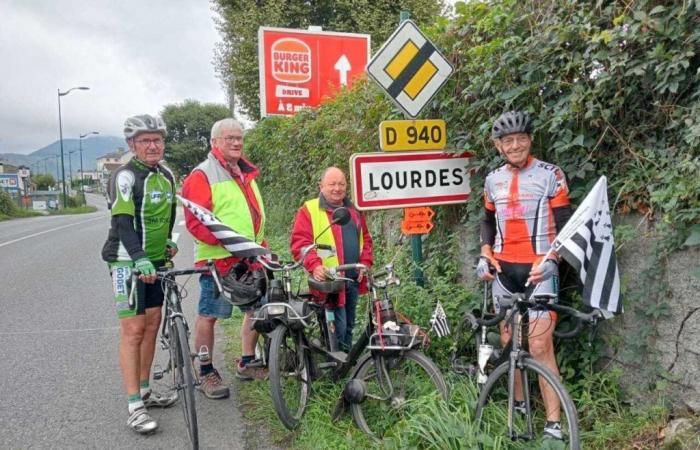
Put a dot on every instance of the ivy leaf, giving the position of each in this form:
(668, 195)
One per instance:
(656, 10)
(694, 238)
(579, 140)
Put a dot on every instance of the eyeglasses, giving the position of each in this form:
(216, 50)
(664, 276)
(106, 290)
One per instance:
(158, 142)
(231, 139)
(510, 141)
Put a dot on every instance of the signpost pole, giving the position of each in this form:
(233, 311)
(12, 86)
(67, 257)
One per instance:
(416, 239)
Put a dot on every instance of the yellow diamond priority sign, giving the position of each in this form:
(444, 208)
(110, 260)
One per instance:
(409, 68)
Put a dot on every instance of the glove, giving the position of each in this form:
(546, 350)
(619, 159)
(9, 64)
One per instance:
(483, 267)
(171, 244)
(549, 269)
(145, 267)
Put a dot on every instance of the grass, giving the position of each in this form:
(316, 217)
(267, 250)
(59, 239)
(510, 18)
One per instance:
(20, 213)
(74, 210)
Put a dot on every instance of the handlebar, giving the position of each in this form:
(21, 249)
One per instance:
(544, 301)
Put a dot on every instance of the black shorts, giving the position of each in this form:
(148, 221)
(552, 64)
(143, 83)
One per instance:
(146, 296)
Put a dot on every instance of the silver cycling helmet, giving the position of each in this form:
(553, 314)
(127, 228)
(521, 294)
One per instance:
(144, 123)
(511, 122)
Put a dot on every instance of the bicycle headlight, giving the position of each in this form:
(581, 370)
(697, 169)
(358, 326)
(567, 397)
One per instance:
(276, 310)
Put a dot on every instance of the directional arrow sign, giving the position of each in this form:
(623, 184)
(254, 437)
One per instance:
(416, 227)
(343, 67)
(423, 214)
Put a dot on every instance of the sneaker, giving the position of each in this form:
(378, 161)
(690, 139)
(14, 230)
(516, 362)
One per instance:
(212, 385)
(156, 400)
(141, 422)
(552, 430)
(250, 372)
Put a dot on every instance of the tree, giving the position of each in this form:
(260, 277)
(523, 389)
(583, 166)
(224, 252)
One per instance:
(238, 22)
(189, 129)
(43, 181)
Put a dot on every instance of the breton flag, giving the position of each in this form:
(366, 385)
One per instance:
(586, 242)
(239, 245)
(439, 321)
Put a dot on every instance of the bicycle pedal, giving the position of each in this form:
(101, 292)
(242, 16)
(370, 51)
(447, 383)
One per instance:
(327, 365)
(341, 357)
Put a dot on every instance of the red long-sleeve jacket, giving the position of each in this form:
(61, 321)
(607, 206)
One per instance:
(196, 188)
(302, 236)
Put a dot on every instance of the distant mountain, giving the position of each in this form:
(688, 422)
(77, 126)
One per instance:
(93, 148)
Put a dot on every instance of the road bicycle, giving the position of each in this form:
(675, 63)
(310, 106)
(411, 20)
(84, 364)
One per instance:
(496, 410)
(174, 338)
(387, 370)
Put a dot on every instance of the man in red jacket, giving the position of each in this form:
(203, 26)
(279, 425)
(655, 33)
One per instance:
(225, 184)
(352, 243)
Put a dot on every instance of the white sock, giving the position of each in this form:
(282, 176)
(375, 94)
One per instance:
(133, 406)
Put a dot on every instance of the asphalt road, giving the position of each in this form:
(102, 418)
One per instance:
(61, 385)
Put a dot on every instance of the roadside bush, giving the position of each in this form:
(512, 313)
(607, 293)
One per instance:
(7, 205)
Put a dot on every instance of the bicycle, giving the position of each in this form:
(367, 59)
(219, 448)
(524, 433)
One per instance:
(498, 392)
(383, 381)
(174, 337)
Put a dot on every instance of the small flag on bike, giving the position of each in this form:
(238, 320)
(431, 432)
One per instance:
(439, 321)
(586, 242)
(239, 245)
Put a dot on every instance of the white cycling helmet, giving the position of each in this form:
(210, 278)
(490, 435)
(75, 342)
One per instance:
(511, 122)
(144, 123)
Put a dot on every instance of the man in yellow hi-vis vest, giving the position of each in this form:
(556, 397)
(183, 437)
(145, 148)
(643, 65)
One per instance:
(352, 243)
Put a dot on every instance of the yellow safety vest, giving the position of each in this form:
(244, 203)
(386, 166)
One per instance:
(319, 223)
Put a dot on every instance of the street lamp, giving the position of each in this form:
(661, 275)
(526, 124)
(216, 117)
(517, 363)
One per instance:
(70, 168)
(60, 133)
(82, 175)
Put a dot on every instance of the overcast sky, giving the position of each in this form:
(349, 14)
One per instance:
(136, 57)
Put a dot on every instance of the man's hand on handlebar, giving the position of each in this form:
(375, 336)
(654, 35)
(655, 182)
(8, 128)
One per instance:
(146, 269)
(319, 273)
(485, 266)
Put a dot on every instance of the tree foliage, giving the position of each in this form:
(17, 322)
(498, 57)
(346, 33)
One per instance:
(238, 22)
(189, 129)
(43, 181)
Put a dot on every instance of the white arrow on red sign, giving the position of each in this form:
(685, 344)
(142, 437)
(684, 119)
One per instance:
(343, 67)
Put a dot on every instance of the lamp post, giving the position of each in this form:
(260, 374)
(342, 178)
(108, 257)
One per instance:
(60, 134)
(57, 173)
(82, 175)
(70, 168)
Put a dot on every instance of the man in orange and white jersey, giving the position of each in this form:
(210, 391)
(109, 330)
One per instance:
(526, 202)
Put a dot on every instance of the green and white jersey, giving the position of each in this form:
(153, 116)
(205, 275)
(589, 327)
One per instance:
(148, 195)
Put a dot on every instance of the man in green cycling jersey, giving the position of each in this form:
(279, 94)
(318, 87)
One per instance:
(142, 199)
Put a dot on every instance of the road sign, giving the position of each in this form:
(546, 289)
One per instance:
(421, 214)
(403, 135)
(9, 182)
(409, 68)
(410, 228)
(399, 180)
(300, 68)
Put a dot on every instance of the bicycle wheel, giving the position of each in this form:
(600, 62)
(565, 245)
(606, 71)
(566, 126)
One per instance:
(181, 361)
(411, 375)
(290, 382)
(528, 427)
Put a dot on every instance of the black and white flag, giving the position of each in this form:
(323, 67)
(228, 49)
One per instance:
(586, 242)
(439, 321)
(239, 245)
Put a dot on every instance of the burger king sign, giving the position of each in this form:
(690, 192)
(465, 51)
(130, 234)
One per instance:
(300, 68)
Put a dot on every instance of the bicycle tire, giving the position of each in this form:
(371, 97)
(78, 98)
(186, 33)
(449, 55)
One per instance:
(290, 381)
(184, 377)
(492, 406)
(374, 414)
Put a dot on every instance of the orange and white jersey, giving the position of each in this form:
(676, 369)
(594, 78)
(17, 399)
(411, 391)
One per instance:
(522, 200)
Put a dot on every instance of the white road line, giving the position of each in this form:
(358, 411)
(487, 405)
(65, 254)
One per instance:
(10, 333)
(49, 231)
(181, 223)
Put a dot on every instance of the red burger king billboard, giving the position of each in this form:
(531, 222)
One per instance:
(301, 68)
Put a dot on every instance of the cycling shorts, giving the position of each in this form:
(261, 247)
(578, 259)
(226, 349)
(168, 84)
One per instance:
(147, 295)
(513, 278)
